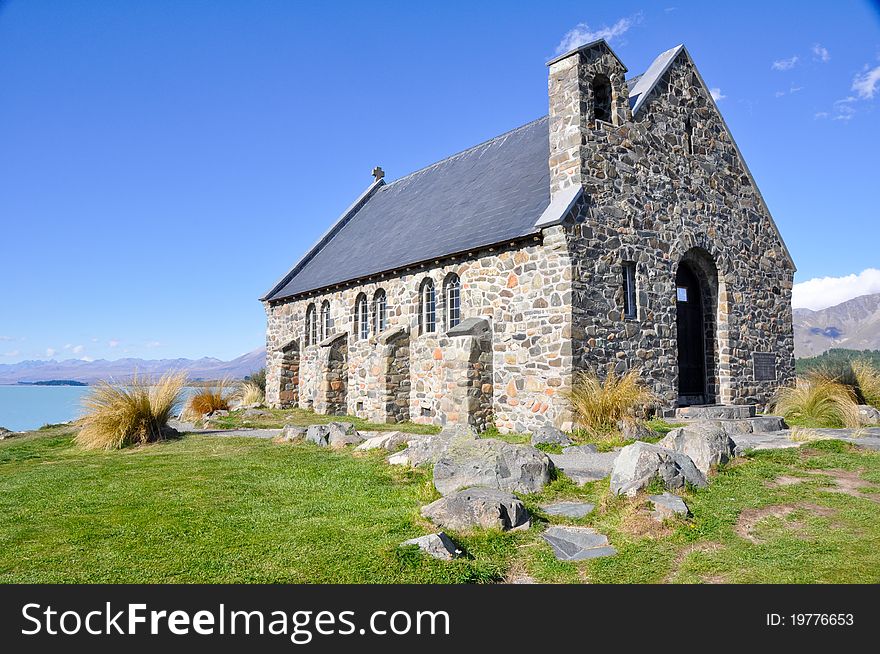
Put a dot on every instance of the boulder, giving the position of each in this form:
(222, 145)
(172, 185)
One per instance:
(492, 464)
(577, 543)
(219, 413)
(568, 509)
(868, 415)
(668, 505)
(6, 433)
(583, 463)
(388, 441)
(489, 508)
(638, 464)
(706, 443)
(422, 450)
(342, 434)
(255, 413)
(290, 434)
(635, 430)
(761, 424)
(438, 545)
(319, 435)
(550, 435)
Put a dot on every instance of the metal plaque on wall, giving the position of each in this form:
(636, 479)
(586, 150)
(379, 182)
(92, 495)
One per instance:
(765, 366)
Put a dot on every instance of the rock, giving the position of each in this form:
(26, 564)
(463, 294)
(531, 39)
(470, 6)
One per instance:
(638, 464)
(342, 434)
(706, 443)
(583, 463)
(491, 463)
(6, 433)
(549, 435)
(635, 430)
(254, 413)
(389, 441)
(668, 505)
(438, 545)
(768, 423)
(868, 415)
(568, 509)
(219, 413)
(458, 431)
(290, 434)
(489, 508)
(577, 543)
(319, 435)
(422, 450)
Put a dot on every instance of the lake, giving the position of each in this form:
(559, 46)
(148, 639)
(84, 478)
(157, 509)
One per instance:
(31, 407)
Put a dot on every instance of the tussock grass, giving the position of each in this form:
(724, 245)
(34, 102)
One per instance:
(214, 397)
(868, 380)
(136, 412)
(817, 400)
(249, 392)
(599, 405)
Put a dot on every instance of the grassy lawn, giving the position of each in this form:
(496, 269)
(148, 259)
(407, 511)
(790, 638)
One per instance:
(303, 418)
(205, 509)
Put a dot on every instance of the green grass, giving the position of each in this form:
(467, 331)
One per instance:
(205, 509)
(303, 417)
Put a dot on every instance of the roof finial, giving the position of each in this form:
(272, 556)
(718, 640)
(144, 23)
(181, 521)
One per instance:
(378, 173)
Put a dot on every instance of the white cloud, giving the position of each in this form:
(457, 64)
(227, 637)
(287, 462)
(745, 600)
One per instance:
(821, 53)
(784, 64)
(113, 342)
(821, 114)
(823, 292)
(86, 359)
(582, 33)
(11, 353)
(717, 95)
(795, 89)
(51, 352)
(6, 338)
(779, 94)
(77, 349)
(865, 84)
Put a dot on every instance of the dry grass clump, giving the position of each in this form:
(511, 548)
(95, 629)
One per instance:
(599, 405)
(868, 380)
(817, 400)
(209, 398)
(117, 415)
(249, 392)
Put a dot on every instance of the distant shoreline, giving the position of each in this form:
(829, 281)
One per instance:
(50, 382)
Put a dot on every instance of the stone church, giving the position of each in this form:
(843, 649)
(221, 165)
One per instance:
(623, 230)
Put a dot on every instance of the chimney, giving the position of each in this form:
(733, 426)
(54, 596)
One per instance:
(586, 84)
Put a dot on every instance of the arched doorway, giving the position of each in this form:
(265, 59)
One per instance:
(696, 294)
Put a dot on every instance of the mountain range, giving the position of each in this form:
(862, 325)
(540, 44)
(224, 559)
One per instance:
(852, 325)
(92, 371)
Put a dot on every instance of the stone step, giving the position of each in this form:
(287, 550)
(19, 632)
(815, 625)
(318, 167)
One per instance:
(716, 412)
(758, 424)
(583, 464)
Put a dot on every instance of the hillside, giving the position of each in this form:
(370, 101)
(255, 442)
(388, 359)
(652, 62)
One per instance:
(854, 325)
(92, 371)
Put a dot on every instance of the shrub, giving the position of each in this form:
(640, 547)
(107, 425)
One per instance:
(117, 415)
(248, 392)
(258, 378)
(599, 405)
(868, 380)
(817, 400)
(209, 398)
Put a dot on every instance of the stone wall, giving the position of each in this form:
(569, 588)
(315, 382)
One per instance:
(654, 199)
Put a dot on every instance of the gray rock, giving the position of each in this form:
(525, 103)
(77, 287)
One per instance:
(550, 435)
(291, 434)
(638, 464)
(489, 508)
(491, 463)
(577, 543)
(668, 505)
(706, 443)
(422, 450)
(319, 435)
(6, 433)
(342, 434)
(768, 423)
(388, 441)
(254, 413)
(635, 430)
(583, 464)
(568, 509)
(438, 545)
(868, 415)
(219, 413)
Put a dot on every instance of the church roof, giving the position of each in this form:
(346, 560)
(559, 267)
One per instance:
(492, 193)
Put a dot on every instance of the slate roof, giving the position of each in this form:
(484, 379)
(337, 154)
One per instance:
(492, 193)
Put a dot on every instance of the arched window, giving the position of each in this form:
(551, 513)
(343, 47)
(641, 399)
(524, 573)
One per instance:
(452, 297)
(688, 136)
(361, 318)
(601, 87)
(325, 319)
(311, 326)
(427, 307)
(379, 311)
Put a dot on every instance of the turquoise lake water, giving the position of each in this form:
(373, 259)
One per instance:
(31, 407)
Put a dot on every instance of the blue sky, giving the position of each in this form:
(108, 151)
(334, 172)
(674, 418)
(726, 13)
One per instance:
(162, 163)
